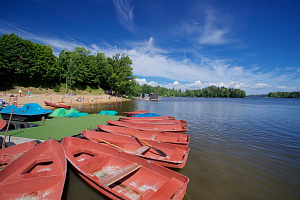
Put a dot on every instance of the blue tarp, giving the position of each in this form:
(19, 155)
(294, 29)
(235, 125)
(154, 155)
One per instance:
(147, 115)
(108, 112)
(76, 114)
(27, 109)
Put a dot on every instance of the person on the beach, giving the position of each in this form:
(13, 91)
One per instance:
(29, 92)
(20, 92)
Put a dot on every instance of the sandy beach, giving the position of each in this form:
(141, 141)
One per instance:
(53, 97)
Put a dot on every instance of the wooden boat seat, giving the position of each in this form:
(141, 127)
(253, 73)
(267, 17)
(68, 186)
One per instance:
(141, 150)
(153, 137)
(121, 174)
(167, 190)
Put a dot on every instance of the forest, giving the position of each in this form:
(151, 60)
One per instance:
(23, 62)
(284, 94)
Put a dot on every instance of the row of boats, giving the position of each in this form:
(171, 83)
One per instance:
(128, 160)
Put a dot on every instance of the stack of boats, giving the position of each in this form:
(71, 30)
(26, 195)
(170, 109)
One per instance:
(126, 159)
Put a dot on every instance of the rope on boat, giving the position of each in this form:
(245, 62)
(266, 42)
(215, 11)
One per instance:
(187, 196)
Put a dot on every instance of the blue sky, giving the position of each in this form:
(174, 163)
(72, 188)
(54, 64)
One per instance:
(253, 45)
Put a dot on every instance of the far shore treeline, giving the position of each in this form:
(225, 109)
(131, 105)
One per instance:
(25, 63)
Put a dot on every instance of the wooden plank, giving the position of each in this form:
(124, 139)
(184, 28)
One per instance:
(121, 174)
(141, 150)
(153, 137)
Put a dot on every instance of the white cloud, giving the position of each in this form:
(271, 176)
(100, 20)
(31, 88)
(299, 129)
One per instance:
(215, 30)
(125, 13)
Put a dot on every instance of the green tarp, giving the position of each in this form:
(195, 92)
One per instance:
(62, 112)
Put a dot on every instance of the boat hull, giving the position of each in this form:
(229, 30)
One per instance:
(37, 174)
(7, 155)
(130, 114)
(150, 127)
(177, 155)
(173, 138)
(57, 105)
(119, 175)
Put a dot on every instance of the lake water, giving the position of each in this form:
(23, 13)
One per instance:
(240, 148)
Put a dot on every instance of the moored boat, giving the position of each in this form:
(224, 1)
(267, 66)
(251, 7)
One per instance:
(147, 118)
(7, 155)
(28, 112)
(159, 122)
(173, 138)
(57, 105)
(130, 114)
(151, 127)
(37, 174)
(119, 175)
(176, 155)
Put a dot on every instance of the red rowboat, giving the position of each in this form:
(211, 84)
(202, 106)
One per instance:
(7, 155)
(130, 114)
(119, 175)
(150, 127)
(57, 105)
(159, 122)
(148, 118)
(37, 174)
(174, 138)
(2, 123)
(176, 154)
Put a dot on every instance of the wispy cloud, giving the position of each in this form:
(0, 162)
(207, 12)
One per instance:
(215, 30)
(150, 60)
(125, 13)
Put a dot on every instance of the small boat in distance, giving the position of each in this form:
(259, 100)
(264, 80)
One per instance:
(147, 118)
(173, 138)
(37, 174)
(130, 114)
(119, 175)
(176, 155)
(178, 128)
(158, 122)
(57, 105)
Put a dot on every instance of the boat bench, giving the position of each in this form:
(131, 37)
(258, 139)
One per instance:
(141, 150)
(167, 191)
(121, 173)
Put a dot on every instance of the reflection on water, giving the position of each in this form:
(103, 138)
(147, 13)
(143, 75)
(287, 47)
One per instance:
(240, 148)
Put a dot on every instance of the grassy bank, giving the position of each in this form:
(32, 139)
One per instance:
(60, 127)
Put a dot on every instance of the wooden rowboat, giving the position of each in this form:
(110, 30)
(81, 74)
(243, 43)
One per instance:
(148, 118)
(2, 124)
(150, 127)
(37, 174)
(7, 155)
(57, 105)
(130, 114)
(173, 138)
(158, 122)
(119, 175)
(176, 154)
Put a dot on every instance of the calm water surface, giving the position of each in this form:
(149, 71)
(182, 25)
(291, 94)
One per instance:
(240, 148)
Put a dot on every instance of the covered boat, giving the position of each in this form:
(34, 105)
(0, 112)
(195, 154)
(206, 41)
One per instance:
(150, 127)
(2, 124)
(7, 155)
(108, 112)
(159, 122)
(57, 105)
(119, 175)
(176, 154)
(173, 138)
(37, 174)
(28, 112)
(130, 114)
